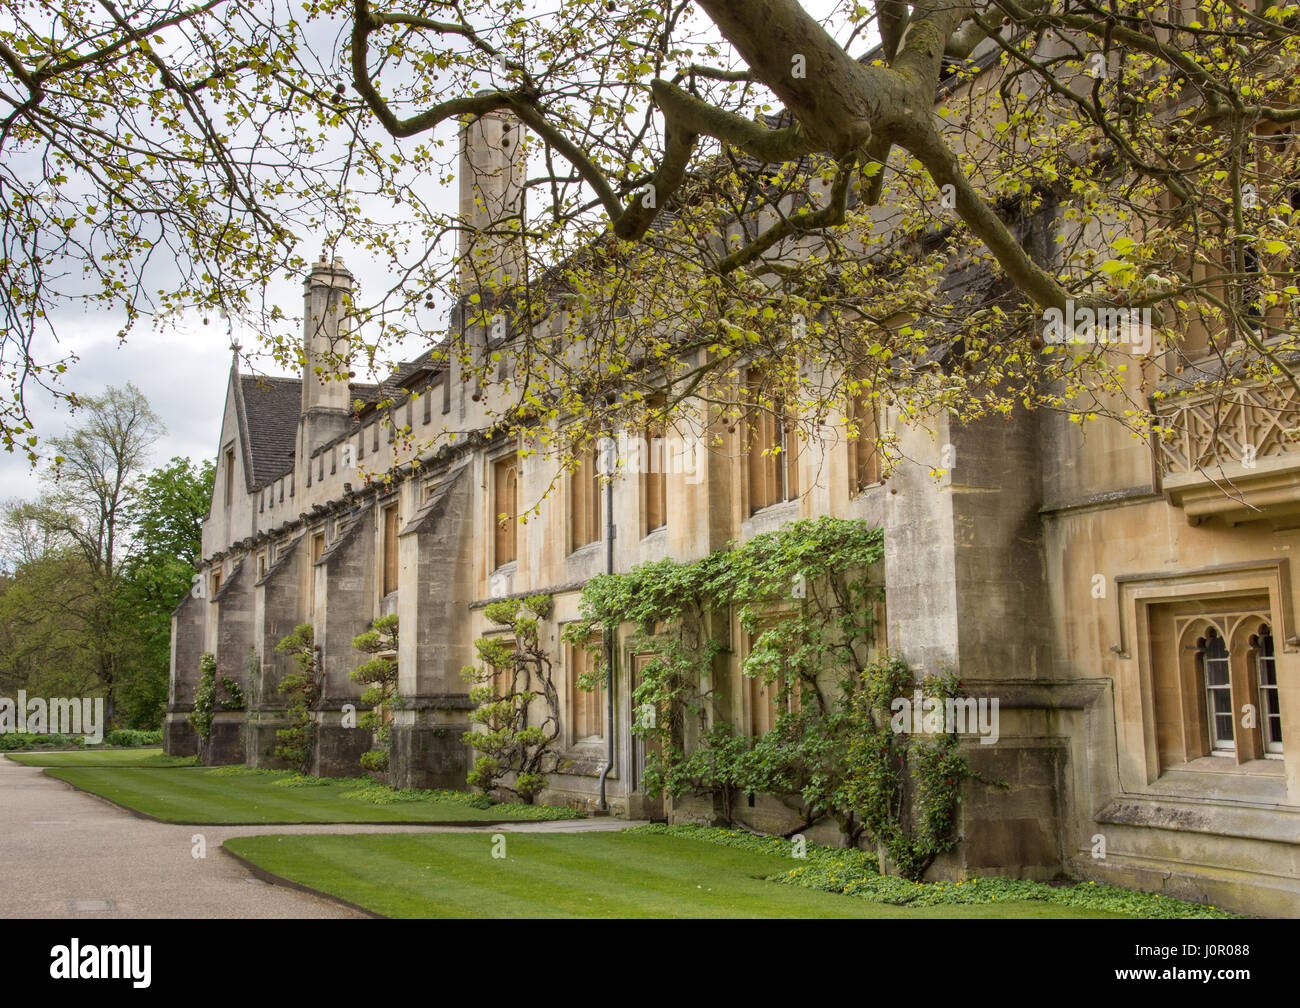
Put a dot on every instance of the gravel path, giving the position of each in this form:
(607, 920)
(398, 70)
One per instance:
(65, 853)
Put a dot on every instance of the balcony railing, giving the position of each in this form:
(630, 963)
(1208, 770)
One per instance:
(1231, 454)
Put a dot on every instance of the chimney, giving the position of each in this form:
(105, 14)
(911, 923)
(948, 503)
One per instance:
(491, 203)
(326, 399)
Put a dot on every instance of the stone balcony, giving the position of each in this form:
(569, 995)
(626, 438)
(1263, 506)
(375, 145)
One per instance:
(1232, 454)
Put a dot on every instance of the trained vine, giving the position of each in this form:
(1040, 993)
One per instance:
(805, 598)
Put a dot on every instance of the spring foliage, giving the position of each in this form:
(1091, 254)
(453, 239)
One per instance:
(302, 687)
(517, 704)
(379, 677)
(806, 598)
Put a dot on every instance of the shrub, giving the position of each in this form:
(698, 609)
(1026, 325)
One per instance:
(131, 738)
(379, 677)
(14, 741)
(303, 689)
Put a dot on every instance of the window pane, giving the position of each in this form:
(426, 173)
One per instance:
(1217, 672)
(1270, 705)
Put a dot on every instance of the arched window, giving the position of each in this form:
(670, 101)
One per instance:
(1270, 707)
(1217, 677)
(505, 491)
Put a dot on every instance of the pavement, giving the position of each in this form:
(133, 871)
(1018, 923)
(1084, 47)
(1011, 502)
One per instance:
(68, 854)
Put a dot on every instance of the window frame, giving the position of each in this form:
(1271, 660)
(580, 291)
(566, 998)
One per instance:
(507, 529)
(592, 701)
(389, 559)
(771, 454)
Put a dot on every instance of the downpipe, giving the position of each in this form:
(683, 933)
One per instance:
(610, 533)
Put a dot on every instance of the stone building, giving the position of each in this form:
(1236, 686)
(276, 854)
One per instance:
(1114, 599)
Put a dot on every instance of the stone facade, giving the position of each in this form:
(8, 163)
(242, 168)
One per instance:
(1074, 580)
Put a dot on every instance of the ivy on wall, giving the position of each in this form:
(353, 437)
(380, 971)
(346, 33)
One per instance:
(208, 698)
(806, 598)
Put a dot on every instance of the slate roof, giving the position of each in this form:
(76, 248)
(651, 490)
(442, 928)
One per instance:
(268, 420)
(269, 410)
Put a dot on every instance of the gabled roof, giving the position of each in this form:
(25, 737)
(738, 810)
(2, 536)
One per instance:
(269, 410)
(268, 424)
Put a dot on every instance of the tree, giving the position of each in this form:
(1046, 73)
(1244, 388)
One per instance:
(165, 516)
(89, 501)
(379, 677)
(749, 180)
(295, 743)
(517, 705)
(43, 646)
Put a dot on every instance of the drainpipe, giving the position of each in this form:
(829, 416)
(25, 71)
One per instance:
(610, 532)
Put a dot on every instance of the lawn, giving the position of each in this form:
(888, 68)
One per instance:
(235, 795)
(144, 757)
(629, 874)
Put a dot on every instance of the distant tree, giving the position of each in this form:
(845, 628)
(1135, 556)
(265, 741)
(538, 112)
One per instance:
(86, 510)
(165, 519)
(44, 586)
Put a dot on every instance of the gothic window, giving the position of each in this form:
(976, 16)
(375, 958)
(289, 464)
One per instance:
(1216, 681)
(317, 551)
(864, 460)
(230, 476)
(1217, 676)
(586, 707)
(767, 693)
(1270, 706)
(505, 510)
(655, 462)
(771, 447)
(584, 502)
(390, 549)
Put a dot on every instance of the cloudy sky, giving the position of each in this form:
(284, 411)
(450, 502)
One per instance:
(183, 374)
(181, 369)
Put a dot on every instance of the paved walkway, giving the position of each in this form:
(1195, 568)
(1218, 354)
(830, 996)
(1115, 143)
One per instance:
(65, 853)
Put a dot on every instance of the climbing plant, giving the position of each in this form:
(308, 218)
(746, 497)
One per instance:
(233, 698)
(517, 705)
(379, 676)
(302, 688)
(253, 676)
(806, 598)
(212, 693)
(205, 699)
